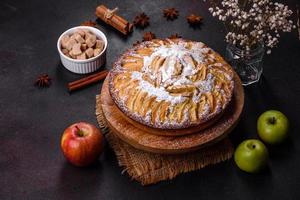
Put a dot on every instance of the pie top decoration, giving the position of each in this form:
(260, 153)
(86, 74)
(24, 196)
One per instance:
(141, 20)
(171, 84)
(170, 13)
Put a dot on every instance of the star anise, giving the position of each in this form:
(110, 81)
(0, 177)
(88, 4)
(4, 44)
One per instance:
(136, 43)
(148, 36)
(141, 20)
(174, 36)
(88, 23)
(170, 13)
(194, 19)
(43, 81)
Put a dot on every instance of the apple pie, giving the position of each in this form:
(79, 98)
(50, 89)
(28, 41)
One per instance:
(171, 84)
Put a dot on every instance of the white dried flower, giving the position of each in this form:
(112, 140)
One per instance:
(252, 21)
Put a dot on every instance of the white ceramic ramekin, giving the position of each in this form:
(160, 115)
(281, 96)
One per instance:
(88, 65)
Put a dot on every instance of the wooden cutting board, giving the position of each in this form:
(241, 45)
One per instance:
(143, 138)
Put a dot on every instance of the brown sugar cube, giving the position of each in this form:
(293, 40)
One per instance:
(81, 57)
(80, 32)
(70, 44)
(65, 51)
(76, 49)
(91, 40)
(97, 52)
(64, 40)
(83, 47)
(87, 33)
(78, 38)
(99, 44)
(71, 55)
(72, 36)
(89, 52)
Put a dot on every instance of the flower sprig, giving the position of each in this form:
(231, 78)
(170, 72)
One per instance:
(249, 22)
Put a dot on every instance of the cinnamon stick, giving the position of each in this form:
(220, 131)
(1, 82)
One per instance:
(81, 83)
(111, 18)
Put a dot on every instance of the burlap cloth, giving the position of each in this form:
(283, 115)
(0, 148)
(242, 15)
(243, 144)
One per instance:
(149, 168)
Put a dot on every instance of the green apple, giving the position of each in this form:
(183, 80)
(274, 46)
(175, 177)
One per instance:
(272, 127)
(251, 156)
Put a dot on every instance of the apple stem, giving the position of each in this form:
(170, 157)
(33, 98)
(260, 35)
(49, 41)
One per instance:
(79, 132)
(272, 120)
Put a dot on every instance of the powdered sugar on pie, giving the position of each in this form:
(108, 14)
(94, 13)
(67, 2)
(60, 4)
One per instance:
(171, 84)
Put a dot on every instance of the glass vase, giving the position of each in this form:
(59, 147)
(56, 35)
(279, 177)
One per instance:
(247, 65)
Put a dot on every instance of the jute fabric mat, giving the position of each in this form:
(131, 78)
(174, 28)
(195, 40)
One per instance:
(149, 168)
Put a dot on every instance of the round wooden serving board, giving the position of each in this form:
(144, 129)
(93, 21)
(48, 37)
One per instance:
(144, 140)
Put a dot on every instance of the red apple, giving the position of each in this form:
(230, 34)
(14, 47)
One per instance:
(82, 143)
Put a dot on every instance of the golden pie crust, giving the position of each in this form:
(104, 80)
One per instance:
(171, 84)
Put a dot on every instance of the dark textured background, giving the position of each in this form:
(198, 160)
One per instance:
(32, 120)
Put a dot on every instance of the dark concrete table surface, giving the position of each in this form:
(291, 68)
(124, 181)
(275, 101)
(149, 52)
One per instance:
(32, 120)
